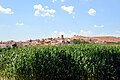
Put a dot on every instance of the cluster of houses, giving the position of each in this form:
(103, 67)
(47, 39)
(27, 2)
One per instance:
(59, 41)
(49, 41)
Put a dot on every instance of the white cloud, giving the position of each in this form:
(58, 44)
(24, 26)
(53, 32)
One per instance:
(5, 10)
(82, 33)
(61, 33)
(57, 34)
(54, 1)
(85, 33)
(62, 0)
(46, 7)
(20, 24)
(74, 33)
(101, 26)
(71, 33)
(92, 12)
(40, 11)
(68, 9)
(54, 34)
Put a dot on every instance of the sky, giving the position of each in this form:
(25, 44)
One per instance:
(37, 19)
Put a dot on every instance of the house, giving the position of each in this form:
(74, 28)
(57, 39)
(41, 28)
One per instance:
(3, 46)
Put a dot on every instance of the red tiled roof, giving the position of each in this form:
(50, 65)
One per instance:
(2, 44)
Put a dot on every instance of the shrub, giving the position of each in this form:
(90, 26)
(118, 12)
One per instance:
(77, 41)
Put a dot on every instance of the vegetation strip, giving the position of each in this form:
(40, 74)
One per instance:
(67, 62)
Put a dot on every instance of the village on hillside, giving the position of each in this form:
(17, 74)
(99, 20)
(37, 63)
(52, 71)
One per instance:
(61, 41)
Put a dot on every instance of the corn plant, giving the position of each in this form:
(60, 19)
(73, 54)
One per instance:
(73, 62)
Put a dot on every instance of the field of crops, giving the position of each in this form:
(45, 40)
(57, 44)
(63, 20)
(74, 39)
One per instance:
(73, 62)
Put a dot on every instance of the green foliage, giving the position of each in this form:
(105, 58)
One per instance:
(73, 62)
(118, 42)
(77, 41)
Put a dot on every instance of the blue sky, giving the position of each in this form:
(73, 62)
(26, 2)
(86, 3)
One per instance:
(37, 19)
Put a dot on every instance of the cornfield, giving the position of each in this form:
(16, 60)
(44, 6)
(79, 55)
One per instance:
(73, 62)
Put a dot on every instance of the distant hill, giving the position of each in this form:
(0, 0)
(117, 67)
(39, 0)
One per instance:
(99, 39)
